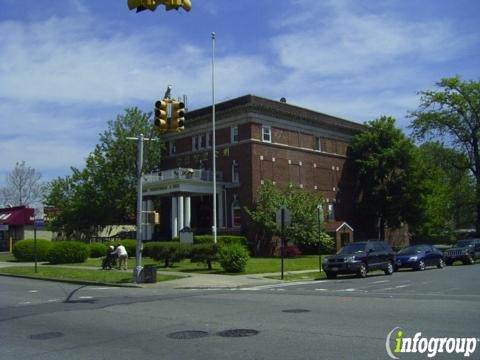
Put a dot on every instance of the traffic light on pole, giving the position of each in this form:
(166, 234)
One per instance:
(176, 4)
(161, 115)
(141, 5)
(178, 115)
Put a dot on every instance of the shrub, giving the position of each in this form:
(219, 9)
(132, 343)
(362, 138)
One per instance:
(23, 250)
(68, 252)
(292, 251)
(206, 253)
(168, 251)
(130, 246)
(97, 250)
(233, 258)
(221, 240)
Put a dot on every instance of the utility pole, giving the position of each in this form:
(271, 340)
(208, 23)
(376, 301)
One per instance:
(137, 272)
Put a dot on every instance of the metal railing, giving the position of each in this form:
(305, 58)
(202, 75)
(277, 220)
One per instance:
(182, 174)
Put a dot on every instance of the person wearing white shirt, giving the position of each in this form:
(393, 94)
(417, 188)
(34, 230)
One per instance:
(122, 254)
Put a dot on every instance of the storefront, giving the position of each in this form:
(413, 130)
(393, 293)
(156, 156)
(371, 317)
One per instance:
(13, 223)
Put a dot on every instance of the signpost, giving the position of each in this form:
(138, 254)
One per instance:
(37, 224)
(283, 219)
(320, 219)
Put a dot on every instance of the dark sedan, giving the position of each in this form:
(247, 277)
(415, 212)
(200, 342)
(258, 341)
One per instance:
(418, 257)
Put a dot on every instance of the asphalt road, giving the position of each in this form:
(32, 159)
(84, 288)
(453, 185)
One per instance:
(348, 318)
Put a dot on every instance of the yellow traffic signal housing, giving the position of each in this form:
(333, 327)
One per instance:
(161, 115)
(141, 5)
(154, 217)
(151, 5)
(178, 115)
(176, 4)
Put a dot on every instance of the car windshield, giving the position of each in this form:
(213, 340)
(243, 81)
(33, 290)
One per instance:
(463, 243)
(352, 249)
(411, 250)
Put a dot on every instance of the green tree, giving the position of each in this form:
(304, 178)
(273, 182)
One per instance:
(390, 182)
(104, 192)
(450, 203)
(303, 211)
(452, 115)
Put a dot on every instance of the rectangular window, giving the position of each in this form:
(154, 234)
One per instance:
(266, 133)
(235, 172)
(234, 134)
(209, 140)
(318, 144)
(173, 148)
(203, 141)
(195, 143)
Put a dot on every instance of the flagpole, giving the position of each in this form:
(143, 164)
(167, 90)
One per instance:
(214, 165)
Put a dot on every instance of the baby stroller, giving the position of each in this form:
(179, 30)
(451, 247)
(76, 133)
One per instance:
(109, 261)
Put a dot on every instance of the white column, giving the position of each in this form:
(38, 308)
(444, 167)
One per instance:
(220, 208)
(180, 213)
(174, 217)
(188, 211)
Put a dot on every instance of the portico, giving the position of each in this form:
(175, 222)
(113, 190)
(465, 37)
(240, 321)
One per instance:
(181, 185)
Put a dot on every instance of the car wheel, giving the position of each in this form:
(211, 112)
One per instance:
(389, 269)
(421, 265)
(362, 272)
(441, 264)
(331, 275)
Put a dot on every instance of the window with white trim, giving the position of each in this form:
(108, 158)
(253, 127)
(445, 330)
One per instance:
(266, 133)
(236, 214)
(318, 144)
(235, 172)
(234, 134)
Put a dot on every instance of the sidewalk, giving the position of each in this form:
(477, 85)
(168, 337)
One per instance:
(194, 280)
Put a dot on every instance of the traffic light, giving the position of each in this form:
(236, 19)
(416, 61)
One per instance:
(178, 115)
(153, 217)
(141, 5)
(151, 5)
(161, 115)
(176, 4)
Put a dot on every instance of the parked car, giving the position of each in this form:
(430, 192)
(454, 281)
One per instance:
(466, 251)
(360, 258)
(418, 257)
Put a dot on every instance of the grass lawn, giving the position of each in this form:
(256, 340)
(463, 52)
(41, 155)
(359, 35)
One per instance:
(256, 265)
(6, 256)
(63, 273)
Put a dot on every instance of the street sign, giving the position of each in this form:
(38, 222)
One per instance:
(38, 223)
(286, 217)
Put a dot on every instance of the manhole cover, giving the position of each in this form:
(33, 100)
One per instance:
(295, 311)
(238, 333)
(46, 336)
(189, 334)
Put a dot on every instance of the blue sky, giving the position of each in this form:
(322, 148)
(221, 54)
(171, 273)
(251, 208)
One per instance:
(67, 67)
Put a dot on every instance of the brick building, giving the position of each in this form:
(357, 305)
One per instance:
(257, 140)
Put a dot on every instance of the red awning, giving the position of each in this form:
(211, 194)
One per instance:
(19, 215)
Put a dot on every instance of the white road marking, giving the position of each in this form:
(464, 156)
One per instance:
(85, 297)
(321, 289)
(25, 303)
(32, 291)
(401, 286)
(380, 281)
(53, 300)
(101, 288)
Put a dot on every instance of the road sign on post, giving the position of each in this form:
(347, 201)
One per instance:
(283, 219)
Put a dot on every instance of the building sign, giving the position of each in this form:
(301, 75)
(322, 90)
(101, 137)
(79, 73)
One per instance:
(3, 227)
